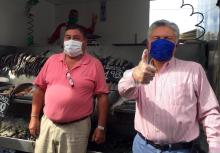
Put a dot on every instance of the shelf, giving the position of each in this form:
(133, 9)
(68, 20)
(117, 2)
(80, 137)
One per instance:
(17, 144)
(129, 44)
(24, 101)
(93, 44)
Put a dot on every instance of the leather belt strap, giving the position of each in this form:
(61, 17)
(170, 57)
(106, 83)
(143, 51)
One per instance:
(65, 123)
(174, 146)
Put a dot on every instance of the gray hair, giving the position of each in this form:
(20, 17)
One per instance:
(166, 23)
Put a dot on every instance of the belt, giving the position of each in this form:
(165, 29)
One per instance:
(174, 146)
(70, 122)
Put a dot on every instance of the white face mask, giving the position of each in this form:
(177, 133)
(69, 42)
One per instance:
(73, 48)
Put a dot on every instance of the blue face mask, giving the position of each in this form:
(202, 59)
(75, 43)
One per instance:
(162, 49)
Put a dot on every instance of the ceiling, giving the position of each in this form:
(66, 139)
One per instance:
(61, 2)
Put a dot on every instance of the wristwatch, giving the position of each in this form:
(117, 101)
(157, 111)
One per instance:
(101, 127)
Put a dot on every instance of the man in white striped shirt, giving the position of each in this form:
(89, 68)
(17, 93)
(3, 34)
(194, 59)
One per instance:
(173, 97)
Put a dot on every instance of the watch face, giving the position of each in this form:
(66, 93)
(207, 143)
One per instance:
(101, 127)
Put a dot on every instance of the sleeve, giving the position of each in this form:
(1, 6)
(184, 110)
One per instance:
(101, 85)
(88, 30)
(40, 80)
(56, 34)
(209, 111)
(127, 86)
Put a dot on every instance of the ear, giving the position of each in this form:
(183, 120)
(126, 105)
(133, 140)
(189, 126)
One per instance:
(85, 44)
(85, 41)
(146, 43)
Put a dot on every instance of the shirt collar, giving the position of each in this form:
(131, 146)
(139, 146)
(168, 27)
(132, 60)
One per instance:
(168, 64)
(61, 57)
(171, 61)
(83, 61)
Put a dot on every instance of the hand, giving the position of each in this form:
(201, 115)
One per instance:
(144, 72)
(98, 136)
(34, 126)
(94, 18)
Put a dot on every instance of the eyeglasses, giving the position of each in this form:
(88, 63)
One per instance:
(70, 79)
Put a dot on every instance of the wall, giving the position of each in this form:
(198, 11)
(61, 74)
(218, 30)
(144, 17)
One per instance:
(211, 18)
(212, 25)
(12, 22)
(124, 18)
(44, 22)
(13, 27)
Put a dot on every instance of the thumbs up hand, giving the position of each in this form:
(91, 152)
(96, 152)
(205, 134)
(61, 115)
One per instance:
(144, 72)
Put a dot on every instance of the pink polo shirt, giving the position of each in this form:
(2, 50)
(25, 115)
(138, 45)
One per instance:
(64, 103)
(170, 107)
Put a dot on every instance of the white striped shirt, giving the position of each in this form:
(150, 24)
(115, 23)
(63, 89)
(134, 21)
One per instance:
(169, 108)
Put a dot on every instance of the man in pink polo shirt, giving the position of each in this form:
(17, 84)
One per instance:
(173, 97)
(65, 88)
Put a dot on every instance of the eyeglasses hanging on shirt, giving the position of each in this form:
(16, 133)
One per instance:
(70, 79)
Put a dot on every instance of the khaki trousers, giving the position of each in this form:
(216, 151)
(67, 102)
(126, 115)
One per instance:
(67, 138)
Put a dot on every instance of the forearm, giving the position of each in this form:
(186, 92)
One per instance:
(127, 86)
(37, 102)
(102, 109)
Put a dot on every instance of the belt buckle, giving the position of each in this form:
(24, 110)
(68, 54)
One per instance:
(170, 146)
(164, 147)
(160, 146)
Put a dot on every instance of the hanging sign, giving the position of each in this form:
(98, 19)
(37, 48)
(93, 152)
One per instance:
(114, 68)
(113, 73)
